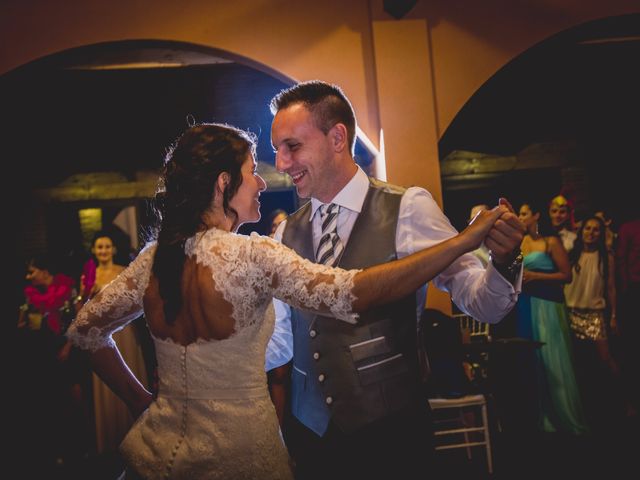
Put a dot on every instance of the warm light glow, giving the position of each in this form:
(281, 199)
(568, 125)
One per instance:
(128, 66)
(380, 161)
(90, 223)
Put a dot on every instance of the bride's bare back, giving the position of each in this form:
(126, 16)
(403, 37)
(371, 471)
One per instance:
(205, 314)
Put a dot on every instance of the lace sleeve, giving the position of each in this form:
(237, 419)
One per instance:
(302, 283)
(114, 307)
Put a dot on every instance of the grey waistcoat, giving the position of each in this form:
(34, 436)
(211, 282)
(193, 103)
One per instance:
(354, 374)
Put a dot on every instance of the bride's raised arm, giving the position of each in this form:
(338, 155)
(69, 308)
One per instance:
(307, 285)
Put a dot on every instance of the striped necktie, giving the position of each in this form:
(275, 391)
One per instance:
(330, 247)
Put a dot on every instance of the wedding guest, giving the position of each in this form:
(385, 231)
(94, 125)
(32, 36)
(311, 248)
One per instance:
(57, 371)
(277, 217)
(561, 214)
(628, 280)
(542, 317)
(112, 417)
(591, 300)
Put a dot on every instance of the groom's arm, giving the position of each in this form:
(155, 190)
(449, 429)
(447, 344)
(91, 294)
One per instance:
(280, 346)
(279, 350)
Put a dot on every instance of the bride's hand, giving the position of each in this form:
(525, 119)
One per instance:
(505, 238)
(479, 227)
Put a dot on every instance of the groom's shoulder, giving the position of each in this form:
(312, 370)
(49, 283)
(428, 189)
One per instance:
(301, 213)
(386, 187)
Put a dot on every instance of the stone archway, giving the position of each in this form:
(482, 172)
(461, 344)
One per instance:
(87, 127)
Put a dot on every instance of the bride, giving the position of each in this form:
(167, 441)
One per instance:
(206, 295)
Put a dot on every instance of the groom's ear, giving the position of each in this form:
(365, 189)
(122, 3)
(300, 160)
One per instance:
(339, 137)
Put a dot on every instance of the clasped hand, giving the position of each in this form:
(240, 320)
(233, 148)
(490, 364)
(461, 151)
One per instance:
(506, 235)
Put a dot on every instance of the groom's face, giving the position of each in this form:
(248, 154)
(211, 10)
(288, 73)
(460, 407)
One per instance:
(303, 151)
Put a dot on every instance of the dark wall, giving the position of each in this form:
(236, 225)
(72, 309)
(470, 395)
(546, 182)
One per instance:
(60, 122)
(579, 87)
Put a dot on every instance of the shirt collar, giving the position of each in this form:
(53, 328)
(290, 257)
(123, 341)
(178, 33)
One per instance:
(351, 196)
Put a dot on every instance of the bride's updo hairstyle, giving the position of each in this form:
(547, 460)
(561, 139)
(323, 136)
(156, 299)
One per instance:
(187, 188)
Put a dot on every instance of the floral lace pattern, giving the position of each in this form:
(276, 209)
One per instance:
(117, 304)
(256, 270)
(213, 417)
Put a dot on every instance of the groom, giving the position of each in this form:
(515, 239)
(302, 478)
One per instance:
(358, 406)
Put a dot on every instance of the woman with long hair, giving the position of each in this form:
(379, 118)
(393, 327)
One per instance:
(206, 293)
(542, 317)
(591, 300)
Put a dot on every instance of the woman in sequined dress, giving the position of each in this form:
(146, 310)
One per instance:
(591, 300)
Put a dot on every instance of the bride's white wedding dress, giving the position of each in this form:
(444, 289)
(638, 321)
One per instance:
(213, 417)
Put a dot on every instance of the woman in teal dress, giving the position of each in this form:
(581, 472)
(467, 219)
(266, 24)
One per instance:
(542, 317)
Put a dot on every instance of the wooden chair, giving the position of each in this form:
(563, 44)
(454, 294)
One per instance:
(472, 329)
(456, 424)
(460, 417)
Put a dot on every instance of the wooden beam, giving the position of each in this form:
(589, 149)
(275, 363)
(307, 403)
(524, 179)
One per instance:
(463, 163)
(116, 185)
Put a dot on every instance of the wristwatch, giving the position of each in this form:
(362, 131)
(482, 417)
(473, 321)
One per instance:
(509, 270)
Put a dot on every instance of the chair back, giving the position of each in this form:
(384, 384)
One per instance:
(471, 329)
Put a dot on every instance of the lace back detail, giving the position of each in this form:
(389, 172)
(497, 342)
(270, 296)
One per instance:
(247, 271)
(250, 271)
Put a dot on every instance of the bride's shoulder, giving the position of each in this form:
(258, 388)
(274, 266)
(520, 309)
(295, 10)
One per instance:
(264, 241)
(228, 244)
(217, 242)
(256, 237)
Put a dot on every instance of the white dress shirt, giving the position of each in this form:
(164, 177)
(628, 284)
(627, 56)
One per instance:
(482, 293)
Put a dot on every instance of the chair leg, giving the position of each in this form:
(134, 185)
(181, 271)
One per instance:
(463, 421)
(487, 438)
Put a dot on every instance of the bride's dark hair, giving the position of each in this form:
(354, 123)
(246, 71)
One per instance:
(192, 167)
